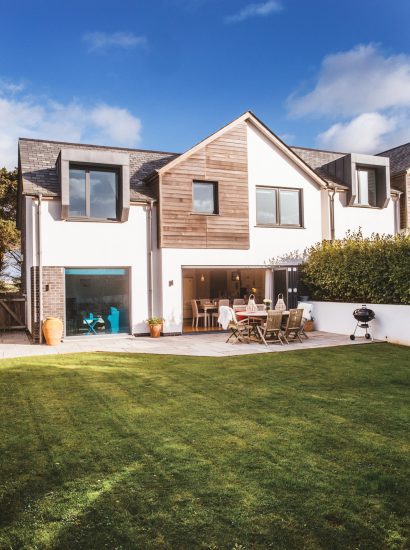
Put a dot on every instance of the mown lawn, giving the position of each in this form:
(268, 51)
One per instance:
(305, 449)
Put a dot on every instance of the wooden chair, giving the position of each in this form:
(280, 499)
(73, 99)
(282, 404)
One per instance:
(239, 302)
(261, 307)
(240, 330)
(196, 315)
(215, 314)
(294, 325)
(272, 328)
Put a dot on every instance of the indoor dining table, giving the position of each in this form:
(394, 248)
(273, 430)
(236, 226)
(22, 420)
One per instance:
(208, 307)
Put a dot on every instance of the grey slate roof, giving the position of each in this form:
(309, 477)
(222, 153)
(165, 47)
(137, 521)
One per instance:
(399, 158)
(39, 175)
(317, 159)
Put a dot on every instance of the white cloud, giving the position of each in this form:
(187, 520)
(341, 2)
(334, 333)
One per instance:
(99, 41)
(356, 81)
(370, 95)
(43, 118)
(255, 10)
(366, 133)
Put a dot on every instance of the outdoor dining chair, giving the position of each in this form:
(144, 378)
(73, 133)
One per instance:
(215, 314)
(271, 330)
(240, 330)
(294, 325)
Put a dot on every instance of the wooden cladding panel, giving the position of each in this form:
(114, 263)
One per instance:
(223, 160)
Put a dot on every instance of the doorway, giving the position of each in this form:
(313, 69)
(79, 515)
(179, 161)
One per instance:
(285, 281)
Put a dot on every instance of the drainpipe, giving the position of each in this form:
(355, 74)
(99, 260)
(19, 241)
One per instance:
(332, 193)
(150, 264)
(40, 269)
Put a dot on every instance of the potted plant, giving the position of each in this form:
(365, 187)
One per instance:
(308, 325)
(267, 303)
(155, 326)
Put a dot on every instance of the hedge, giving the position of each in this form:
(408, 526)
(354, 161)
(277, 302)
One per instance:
(357, 269)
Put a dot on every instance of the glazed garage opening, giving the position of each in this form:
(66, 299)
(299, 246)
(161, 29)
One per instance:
(97, 301)
(208, 285)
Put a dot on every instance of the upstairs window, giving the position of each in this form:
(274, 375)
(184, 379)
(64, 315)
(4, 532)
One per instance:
(278, 207)
(366, 187)
(93, 193)
(205, 197)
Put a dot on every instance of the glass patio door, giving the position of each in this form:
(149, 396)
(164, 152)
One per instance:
(97, 301)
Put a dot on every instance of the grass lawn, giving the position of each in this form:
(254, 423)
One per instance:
(305, 449)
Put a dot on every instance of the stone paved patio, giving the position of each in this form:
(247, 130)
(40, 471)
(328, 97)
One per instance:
(211, 345)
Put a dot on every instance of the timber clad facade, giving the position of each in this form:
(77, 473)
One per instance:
(223, 161)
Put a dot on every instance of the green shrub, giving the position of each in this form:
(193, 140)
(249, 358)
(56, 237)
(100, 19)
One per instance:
(357, 269)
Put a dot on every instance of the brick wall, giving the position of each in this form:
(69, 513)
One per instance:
(53, 296)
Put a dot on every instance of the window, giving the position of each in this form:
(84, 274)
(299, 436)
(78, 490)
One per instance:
(93, 193)
(278, 207)
(366, 187)
(205, 197)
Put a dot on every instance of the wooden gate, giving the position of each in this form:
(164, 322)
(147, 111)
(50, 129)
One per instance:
(12, 311)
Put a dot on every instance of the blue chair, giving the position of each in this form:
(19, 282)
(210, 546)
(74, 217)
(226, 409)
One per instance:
(114, 320)
(91, 321)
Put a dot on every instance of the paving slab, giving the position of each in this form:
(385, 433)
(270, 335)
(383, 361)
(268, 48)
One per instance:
(206, 345)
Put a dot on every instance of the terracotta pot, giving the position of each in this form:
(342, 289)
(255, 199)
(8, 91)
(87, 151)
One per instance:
(53, 331)
(308, 326)
(155, 331)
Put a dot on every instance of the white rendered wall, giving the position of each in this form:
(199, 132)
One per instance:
(370, 220)
(95, 244)
(392, 322)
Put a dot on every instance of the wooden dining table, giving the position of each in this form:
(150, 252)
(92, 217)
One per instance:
(208, 307)
(257, 316)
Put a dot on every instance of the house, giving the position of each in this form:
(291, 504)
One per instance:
(400, 178)
(112, 236)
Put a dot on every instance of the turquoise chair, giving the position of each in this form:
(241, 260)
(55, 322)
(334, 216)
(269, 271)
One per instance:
(114, 320)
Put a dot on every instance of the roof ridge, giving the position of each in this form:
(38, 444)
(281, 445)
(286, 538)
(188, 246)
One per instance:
(393, 148)
(37, 140)
(317, 150)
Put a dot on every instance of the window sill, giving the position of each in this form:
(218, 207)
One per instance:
(94, 220)
(368, 206)
(280, 226)
(202, 214)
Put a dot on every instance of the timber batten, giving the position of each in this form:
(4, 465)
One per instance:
(223, 160)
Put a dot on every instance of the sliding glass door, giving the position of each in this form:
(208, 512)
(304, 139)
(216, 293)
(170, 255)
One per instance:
(97, 301)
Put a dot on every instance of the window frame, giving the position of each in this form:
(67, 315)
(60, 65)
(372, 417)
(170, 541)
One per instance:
(365, 168)
(300, 225)
(88, 168)
(215, 185)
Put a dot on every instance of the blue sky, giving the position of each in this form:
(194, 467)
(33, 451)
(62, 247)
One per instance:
(163, 74)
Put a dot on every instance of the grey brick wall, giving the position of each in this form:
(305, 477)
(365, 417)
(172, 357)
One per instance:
(53, 296)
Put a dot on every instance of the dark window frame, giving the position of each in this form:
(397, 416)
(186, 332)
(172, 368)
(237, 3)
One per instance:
(97, 168)
(215, 185)
(300, 225)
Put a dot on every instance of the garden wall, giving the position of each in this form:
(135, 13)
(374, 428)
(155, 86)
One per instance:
(392, 322)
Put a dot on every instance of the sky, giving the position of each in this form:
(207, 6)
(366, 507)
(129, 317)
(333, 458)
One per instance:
(164, 74)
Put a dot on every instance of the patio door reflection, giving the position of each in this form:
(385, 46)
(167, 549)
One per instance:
(97, 301)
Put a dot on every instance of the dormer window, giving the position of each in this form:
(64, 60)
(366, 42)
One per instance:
(366, 187)
(93, 193)
(95, 185)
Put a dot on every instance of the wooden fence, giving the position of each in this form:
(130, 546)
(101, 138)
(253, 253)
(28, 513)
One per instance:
(12, 311)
